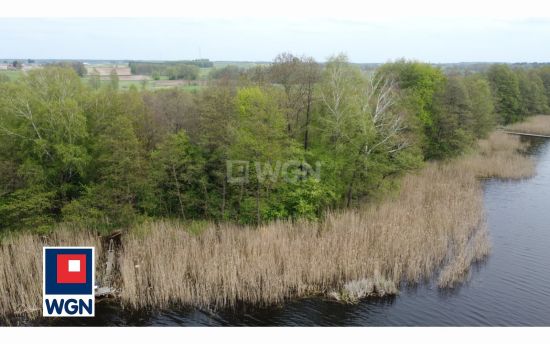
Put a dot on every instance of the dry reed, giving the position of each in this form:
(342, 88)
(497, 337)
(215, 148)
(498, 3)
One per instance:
(539, 125)
(21, 268)
(499, 156)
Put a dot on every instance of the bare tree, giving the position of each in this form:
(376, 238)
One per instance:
(378, 113)
(361, 117)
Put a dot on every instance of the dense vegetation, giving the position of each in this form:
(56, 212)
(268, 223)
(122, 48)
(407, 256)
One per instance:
(285, 141)
(188, 70)
(78, 66)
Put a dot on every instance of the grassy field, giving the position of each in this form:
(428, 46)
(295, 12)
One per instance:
(204, 72)
(12, 74)
(149, 84)
(240, 64)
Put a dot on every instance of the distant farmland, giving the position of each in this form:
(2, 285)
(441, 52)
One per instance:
(127, 79)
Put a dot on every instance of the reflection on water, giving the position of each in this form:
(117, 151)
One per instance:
(512, 287)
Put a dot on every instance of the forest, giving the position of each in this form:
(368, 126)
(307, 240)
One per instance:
(289, 140)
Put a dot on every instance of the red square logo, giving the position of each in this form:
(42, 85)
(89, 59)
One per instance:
(71, 268)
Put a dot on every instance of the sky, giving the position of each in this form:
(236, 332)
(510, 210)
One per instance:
(366, 34)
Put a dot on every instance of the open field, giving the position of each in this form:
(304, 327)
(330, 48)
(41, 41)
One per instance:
(240, 64)
(105, 71)
(149, 84)
(433, 227)
(204, 72)
(12, 74)
(126, 80)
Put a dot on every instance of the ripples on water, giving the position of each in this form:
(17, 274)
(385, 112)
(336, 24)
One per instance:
(512, 287)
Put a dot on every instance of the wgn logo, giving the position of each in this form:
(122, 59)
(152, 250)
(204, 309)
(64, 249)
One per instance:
(68, 282)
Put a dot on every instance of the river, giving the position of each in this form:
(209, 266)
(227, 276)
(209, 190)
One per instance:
(510, 288)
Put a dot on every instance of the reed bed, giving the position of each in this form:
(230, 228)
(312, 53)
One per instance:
(539, 125)
(499, 156)
(21, 269)
(434, 226)
(428, 226)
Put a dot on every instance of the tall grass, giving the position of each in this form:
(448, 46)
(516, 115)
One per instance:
(539, 125)
(498, 156)
(21, 268)
(435, 224)
(434, 227)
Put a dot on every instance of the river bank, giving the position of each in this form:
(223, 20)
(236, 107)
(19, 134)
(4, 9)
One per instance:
(434, 226)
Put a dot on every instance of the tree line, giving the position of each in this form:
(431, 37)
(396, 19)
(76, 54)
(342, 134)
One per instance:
(288, 140)
(188, 70)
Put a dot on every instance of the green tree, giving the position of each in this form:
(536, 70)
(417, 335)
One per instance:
(304, 199)
(544, 74)
(505, 85)
(453, 122)
(114, 79)
(183, 71)
(229, 72)
(217, 121)
(117, 188)
(166, 112)
(94, 79)
(532, 92)
(419, 82)
(260, 138)
(366, 132)
(44, 128)
(179, 177)
(298, 77)
(482, 107)
(77, 66)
